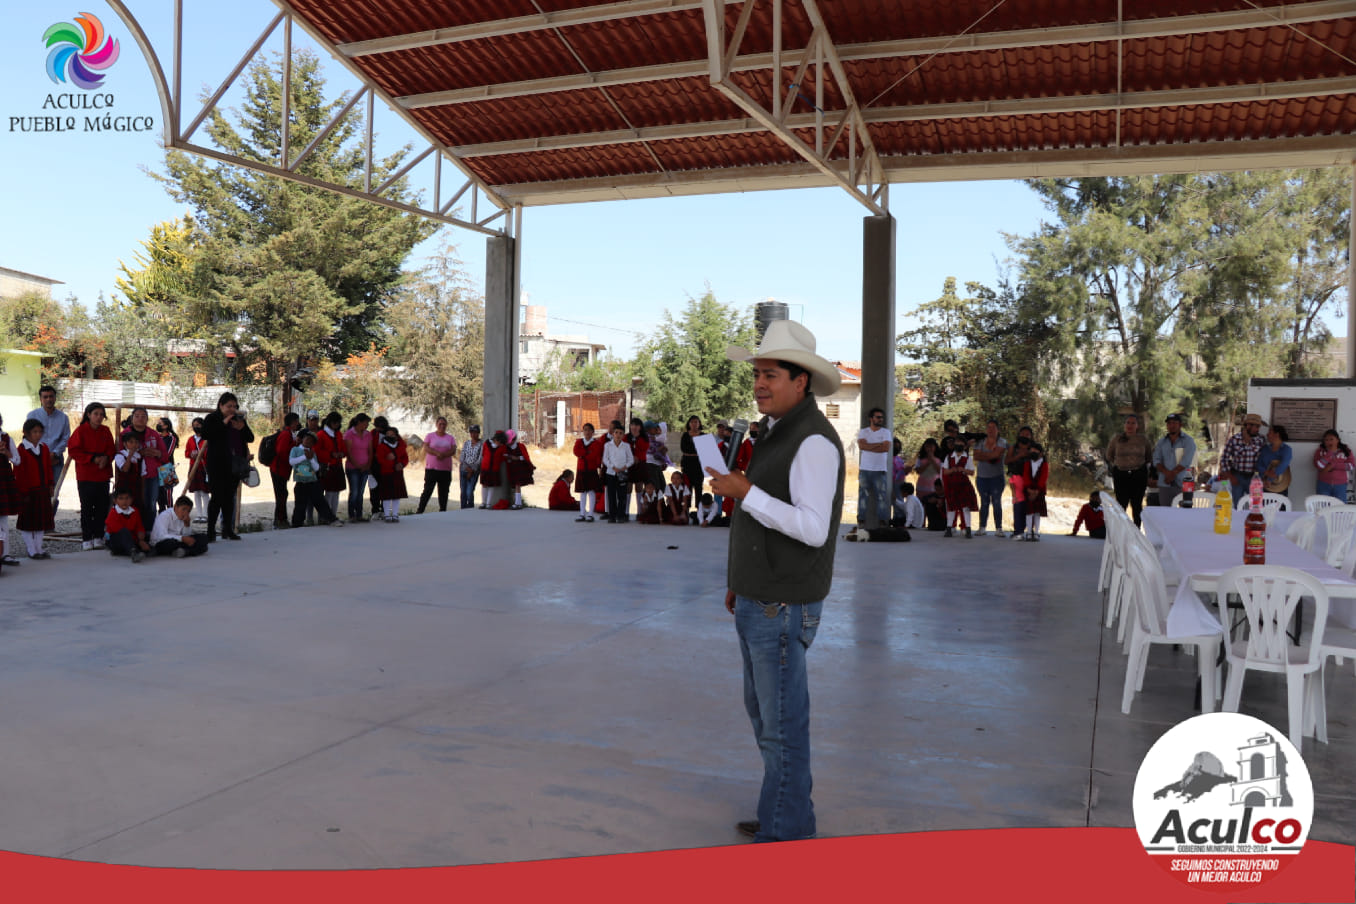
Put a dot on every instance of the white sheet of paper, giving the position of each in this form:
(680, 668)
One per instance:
(708, 450)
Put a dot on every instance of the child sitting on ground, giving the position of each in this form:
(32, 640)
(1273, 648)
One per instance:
(677, 496)
(123, 533)
(561, 499)
(127, 472)
(708, 513)
(647, 504)
(1091, 515)
(172, 533)
(910, 508)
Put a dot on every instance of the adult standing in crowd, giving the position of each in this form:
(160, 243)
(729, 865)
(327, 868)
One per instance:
(780, 567)
(280, 468)
(471, 450)
(1273, 462)
(1174, 455)
(56, 429)
(990, 454)
(1238, 461)
(92, 449)
(692, 464)
(228, 437)
(1129, 455)
(439, 448)
(873, 478)
(358, 465)
(152, 457)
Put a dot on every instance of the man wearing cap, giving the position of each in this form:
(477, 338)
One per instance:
(1174, 455)
(1238, 461)
(469, 470)
(313, 422)
(782, 539)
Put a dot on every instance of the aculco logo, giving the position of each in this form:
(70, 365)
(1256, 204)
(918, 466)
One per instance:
(1234, 831)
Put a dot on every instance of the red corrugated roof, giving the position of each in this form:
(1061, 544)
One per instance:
(928, 100)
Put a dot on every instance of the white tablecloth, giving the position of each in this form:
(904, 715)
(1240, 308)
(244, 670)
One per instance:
(1188, 540)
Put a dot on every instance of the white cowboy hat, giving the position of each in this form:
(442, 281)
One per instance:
(786, 340)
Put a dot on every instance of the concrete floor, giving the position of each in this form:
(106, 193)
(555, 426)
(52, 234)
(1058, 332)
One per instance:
(494, 686)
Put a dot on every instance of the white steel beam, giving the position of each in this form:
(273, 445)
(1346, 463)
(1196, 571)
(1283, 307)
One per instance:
(1175, 97)
(1001, 40)
(496, 28)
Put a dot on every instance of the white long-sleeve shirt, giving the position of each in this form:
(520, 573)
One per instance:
(168, 527)
(809, 514)
(618, 458)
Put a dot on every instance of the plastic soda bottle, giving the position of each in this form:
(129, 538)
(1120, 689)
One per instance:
(1255, 527)
(1224, 511)
(1188, 488)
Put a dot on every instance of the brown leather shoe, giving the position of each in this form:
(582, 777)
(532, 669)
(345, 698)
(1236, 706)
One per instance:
(749, 827)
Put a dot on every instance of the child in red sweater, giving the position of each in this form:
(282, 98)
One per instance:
(33, 480)
(123, 531)
(561, 500)
(1091, 515)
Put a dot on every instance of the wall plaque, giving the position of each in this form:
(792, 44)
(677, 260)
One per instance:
(1304, 419)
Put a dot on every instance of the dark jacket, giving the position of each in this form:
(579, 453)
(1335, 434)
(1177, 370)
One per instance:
(215, 432)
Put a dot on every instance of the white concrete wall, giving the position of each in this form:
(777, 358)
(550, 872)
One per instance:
(849, 419)
(1260, 395)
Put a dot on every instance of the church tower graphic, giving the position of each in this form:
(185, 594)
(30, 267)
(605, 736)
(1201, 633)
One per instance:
(1261, 775)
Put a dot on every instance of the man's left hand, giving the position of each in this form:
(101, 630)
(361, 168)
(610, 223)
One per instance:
(734, 484)
(730, 601)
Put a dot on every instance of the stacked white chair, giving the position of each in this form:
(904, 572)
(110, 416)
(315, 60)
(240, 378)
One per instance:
(1198, 500)
(1318, 503)
(1118, 524)
(1302, 532)
(1149, 614)
(1338, 521)
(1271, 503)
(1270, 594)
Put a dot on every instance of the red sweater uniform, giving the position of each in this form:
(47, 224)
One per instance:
(330, 452)
(199, 482)
(588, 461)
(561, 500)
(389, 465)
(33, 480)
(85, 444)
(282, 448)
(117, 521)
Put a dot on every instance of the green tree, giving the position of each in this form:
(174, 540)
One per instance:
(281, 272)
(604, 374)
(683, 367)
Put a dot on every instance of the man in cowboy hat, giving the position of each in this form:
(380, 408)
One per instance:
(1239, 458)
(782, 538)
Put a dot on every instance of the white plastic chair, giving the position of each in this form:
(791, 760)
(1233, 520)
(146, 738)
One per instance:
(1271, 503)
(1338, 521)
(1302, 532)
(1149, 598)
(1198, 500)
(1270, 594)
(1108, 554)
(1314, 504)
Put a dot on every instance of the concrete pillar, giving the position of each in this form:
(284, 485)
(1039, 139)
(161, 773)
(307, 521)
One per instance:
(878, 317)
(501, 335)
(878, 323)
(1351, 284)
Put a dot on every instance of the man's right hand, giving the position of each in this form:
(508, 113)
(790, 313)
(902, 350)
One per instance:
(730, 601)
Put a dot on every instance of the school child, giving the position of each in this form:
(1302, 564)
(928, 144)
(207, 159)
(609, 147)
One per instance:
(330, 451)
(647, 505)
(308, 492)
(491, 466)
(1091, 515)
(33, 479)
(911, 508)
(1037, 473)
(10, 502)
(92, 449)
(127, 471)
(708, 513)
(520, 467)
(678, 496)
(172, 534)
(561, 500)
(957, 467)
(379, 425)
(588, 453)
(123, 532)
(389, 464)
(194, 452)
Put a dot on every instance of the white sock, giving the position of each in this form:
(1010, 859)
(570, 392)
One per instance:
(200, 504)
(32, 540)
(1035, 523)
(389, 505)
(587, 500)
(950, 519)
(965, 518)
(517, 498)
(485, 495)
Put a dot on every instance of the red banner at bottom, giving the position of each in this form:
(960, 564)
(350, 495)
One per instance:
(1103, 865)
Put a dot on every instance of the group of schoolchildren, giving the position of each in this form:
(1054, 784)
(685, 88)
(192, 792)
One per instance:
(633, 461)
(139, 515)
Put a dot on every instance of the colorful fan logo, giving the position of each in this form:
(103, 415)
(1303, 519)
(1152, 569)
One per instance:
(80, 53)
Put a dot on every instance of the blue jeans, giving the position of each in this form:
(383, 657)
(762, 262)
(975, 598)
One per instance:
(1335, 490)
(469, 479)
(357, 489)
(990, 493)
(872, 494)
(777, 698)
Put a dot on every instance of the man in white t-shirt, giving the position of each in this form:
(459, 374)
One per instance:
(873, 478)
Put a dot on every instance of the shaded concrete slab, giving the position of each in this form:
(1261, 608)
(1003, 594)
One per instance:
(492, 686)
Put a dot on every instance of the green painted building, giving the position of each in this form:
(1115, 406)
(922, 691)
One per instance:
(20, 377)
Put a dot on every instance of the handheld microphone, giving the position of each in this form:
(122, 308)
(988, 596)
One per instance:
(739, 429)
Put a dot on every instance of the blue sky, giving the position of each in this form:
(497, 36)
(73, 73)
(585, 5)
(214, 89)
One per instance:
(77, 203)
